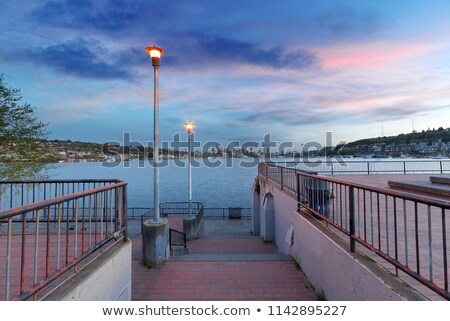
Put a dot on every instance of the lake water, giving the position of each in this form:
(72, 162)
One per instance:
(215, 187)
(224, 186)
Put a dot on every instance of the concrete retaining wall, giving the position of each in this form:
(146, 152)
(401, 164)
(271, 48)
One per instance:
(331, 269)
(108, 278)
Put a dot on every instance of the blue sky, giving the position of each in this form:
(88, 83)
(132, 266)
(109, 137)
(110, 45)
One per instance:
(238, 69)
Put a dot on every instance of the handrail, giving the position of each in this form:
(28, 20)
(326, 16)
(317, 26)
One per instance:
(199, 216)
(379, 220)
(4, 214)
(409, 197)
(84, 221)
(177, 238)
(46, 181)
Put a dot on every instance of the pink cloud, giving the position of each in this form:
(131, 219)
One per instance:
(372, 55)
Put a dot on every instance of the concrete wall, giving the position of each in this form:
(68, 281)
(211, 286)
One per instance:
(108, 278)
(330, 268)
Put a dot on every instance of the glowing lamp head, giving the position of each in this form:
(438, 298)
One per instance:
(155, 54)
(189, 127)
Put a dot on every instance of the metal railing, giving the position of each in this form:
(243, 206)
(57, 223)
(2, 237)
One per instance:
(369, 167)
(137, 212)
(15, 193)
(224, 212)
(408, 231)
(285, 176)
(182, 209)
(177, 238)
(55, 225)
(204, 212)
(146, 216)
(199, 216)
(178, 208)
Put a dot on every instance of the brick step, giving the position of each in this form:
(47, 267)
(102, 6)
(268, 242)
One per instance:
(178, 251)
(231, 257)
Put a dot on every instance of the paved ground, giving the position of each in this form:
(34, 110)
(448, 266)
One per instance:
(227, 264)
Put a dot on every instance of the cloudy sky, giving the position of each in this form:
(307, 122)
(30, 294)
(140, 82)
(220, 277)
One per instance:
(239, 69)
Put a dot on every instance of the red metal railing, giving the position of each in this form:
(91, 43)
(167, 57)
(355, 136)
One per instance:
(49, 227)
(408, 231)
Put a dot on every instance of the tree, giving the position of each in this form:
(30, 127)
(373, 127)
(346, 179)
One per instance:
(22, 150)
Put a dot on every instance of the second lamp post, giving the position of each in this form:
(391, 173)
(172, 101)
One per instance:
(189, 128)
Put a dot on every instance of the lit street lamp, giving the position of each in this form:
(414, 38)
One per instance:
(189, 128)
(155, 54)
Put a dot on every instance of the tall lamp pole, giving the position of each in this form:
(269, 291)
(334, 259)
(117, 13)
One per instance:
(189, 128)
(155, 54)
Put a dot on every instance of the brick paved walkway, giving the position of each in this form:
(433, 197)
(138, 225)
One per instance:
(222, 268)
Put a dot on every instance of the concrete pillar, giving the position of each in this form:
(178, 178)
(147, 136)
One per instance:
(190, 228)
(155, 242)
(262, 217)
(269, 219)
(256, 215)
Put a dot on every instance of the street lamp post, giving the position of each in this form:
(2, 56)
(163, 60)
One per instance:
(155, 54)
(189, 128)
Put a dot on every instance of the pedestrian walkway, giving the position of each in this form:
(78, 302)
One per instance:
(228, 263)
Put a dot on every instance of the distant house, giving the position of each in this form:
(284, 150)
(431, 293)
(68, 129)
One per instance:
(379, 147)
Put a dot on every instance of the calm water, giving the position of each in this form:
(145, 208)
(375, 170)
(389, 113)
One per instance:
(222, 186)
(215, 187)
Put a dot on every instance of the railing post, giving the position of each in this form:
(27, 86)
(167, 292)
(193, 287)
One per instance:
(297, 175)
(444, 239)
(368, 168)
(116, 209)
(125, 211)
(404, 167)
(440, 164)
(351, 203)
(281, 179)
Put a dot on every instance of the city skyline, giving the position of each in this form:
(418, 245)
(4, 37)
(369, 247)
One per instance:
(297, 69)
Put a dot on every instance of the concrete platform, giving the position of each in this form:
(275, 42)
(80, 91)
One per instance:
(382, 181)
(427, 187)
(440, 179)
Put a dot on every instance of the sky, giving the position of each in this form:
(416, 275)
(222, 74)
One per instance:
(238, 69)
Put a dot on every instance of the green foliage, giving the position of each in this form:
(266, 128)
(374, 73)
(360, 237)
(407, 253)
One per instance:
(424, 136)
(22, 151)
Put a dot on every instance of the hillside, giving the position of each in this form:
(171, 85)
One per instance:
(430, 136)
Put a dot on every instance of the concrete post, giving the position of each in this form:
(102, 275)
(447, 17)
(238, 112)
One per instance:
(256, 221)
(190, 227)
(155, 245)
